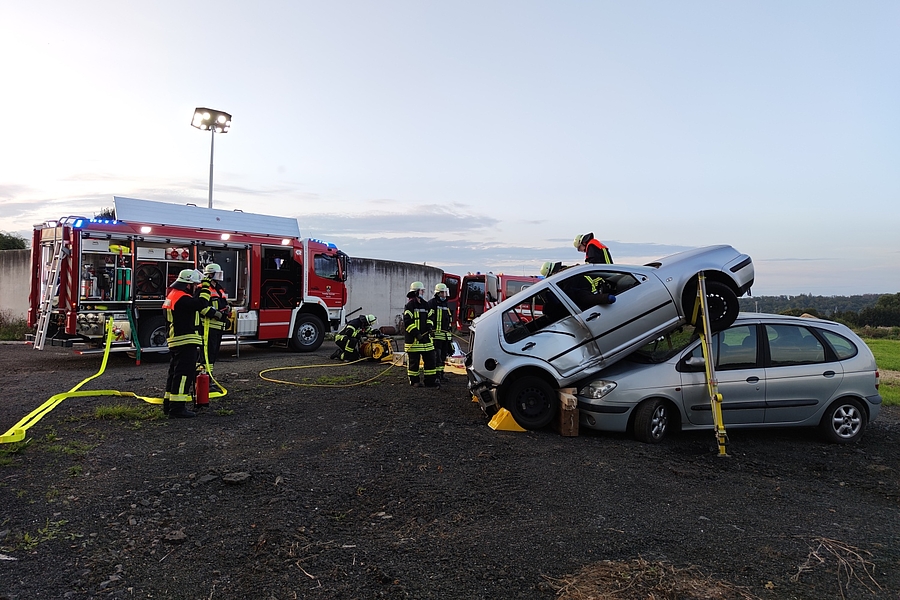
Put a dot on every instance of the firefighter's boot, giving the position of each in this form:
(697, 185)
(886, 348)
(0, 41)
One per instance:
(336, 353)
(166, 404)
(178, 407)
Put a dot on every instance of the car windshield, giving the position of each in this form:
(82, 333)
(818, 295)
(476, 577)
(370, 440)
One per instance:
(664, 347)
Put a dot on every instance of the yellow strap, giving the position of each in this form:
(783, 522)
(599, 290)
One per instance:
(17, 432)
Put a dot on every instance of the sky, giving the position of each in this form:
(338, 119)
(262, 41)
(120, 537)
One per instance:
(477, 135)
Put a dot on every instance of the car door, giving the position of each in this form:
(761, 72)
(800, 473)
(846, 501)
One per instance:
(543, 327)
(741, 378)
(643, 307)
(799, 378)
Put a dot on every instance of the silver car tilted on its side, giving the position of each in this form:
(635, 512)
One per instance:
(772, 371)
(548, 336)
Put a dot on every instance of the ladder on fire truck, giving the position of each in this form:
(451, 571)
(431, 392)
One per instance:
(60, 251)
(701, 311)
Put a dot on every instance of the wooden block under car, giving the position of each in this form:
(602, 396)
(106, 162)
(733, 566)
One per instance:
(567, 421)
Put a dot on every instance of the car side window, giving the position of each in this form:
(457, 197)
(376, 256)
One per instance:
(579, 288)
(842, 347)
(532, 315)
(793, 345)
(734, 348)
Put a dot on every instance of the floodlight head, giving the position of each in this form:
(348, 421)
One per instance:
(207, 118)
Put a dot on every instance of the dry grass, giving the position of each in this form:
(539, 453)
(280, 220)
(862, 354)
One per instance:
(642, 580)
(851, 564)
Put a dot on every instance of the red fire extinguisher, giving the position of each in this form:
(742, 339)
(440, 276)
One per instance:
(201, 387)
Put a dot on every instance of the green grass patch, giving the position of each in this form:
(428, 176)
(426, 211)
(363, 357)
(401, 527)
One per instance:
(51, 531)
(8, 450)
(76, 449)
(887, 353)
(127, 412)
(12, 328)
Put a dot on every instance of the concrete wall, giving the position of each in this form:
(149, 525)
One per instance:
(15, 282)
(380, 287)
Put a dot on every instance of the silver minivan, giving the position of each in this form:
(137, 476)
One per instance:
(772, 371)
(553, 335)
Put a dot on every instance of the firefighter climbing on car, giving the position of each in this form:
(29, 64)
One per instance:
(440, 316)
(348, 338)
(418, 340)
(595, 252)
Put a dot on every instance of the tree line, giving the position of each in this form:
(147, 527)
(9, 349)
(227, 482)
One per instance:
(864, 310)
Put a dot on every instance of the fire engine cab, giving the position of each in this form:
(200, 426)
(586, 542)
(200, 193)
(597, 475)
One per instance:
(282, 288)
(480, 292)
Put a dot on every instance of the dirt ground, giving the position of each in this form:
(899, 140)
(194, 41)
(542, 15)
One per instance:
(281, 491)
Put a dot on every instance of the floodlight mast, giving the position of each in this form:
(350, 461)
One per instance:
(214, 121)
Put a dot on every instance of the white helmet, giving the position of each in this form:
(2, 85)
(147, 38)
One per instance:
(441, 287)
(370, 319)
(416, 286)
(214, 271)
(190, 276)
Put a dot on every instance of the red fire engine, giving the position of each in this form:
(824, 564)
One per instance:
(480, 292)
(282, 287)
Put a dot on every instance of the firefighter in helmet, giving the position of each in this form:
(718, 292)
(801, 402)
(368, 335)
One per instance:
(439, 314)
(594, 250)
(348, 338)
(182, 311)
(215, 316)
(417, 337)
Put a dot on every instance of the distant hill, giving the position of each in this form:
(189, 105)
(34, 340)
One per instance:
(824, 306)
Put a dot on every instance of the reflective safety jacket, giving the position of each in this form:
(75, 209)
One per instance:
(417, 327)
(183, 315)
(215, 296)
(348, 337)
(439, 314)
(596, 253)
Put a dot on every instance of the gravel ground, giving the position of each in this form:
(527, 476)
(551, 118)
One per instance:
(282, 491)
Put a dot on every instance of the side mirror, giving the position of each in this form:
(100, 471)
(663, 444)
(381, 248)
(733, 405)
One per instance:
(695, 363)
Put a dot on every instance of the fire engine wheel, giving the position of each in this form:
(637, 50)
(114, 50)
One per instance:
(308, 335)
(532, 402)
(152, 334)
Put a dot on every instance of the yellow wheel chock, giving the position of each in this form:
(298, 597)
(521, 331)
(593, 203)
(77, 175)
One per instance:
(504, 421)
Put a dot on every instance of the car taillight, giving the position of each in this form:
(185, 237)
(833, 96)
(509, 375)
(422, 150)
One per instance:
(877, 379)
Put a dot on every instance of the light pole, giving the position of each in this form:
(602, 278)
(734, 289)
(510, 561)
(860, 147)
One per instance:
(215, 121)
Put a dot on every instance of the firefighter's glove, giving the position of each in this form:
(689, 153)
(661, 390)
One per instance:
(227, 310)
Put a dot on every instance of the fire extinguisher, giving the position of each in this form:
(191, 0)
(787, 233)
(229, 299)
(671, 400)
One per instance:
(201, 388)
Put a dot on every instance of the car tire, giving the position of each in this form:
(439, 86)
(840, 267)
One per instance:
(652, 421)
(308, 334)
(721, 302)
(844, 422)
(152, 334)
(532, 402)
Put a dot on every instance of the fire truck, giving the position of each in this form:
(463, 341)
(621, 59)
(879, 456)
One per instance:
(282, 288)
(479, 292)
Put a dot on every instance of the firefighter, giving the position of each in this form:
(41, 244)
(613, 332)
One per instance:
(440, 316)
(182, 311)
(417, 337)
(594, 250)
(348, 338)
(215, 316)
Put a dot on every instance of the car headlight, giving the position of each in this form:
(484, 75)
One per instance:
(597, 389)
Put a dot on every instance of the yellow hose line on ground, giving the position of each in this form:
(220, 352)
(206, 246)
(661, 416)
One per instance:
(17, 432)
(329, 385)
(212, 395)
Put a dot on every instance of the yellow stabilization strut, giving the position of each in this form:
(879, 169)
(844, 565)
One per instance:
(17, 432)
(715, 398)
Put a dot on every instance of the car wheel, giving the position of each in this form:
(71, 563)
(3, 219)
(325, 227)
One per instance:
(152, 334)
(532, 402)
(651, 421)
(844, 422)
(721, 302)
(308, 335)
